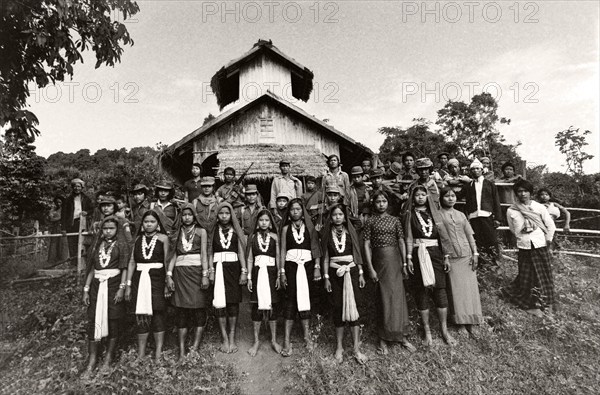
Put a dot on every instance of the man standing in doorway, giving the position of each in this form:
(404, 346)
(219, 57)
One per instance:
(285, 183)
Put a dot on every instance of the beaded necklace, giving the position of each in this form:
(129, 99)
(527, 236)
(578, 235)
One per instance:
(187, 239)
(148, 249)
(426, 227)
(225, 241)
(339, 241)
(298, 234)
(104, 252)
(263, 244)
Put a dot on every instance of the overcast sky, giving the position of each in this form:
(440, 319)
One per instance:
(376, 63)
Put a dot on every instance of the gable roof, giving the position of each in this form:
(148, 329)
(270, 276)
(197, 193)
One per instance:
(225, 82)
(229, 114)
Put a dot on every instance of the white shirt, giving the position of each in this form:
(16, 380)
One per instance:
(478, 187)
(76, 207)
(516, 221)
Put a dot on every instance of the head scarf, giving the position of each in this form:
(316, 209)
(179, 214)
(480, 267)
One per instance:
(174, 236)
(121, 239)
(310, 228)
(235, 225)
(78, 181)
(273, 228)
(356, 250)
(454, 161)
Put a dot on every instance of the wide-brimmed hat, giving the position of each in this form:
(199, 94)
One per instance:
(250, 188)
(443, 153)
(140, 187)
(164, 184)
(396, 168)
(376, 173)
(207, 181)
(356, 170)
(423, 163)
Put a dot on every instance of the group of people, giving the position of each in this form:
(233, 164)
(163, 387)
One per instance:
(197, 255)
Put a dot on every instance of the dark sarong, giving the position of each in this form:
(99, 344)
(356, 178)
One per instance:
(533, 288)
(392, 309)
(188, 293)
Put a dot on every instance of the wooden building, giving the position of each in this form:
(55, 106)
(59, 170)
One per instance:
(258, 125)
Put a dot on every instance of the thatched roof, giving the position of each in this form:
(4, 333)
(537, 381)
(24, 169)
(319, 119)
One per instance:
(225, 83)
(305, 160)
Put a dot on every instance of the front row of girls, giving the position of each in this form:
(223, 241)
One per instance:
(439, 258)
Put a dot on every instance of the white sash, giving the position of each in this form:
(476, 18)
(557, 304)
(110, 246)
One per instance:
(101, 318)
(219, 301)
(188, 260)
(300, 257)
(425, 261)
(349, 310)
(143, 304)
(263, 286)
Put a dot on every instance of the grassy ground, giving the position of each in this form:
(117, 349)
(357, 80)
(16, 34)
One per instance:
(43, 349)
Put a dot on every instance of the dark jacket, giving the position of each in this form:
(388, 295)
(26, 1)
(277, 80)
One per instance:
(66, 216)
(489, 199)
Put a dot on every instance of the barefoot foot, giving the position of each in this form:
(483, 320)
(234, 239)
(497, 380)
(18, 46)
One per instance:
(407, 345)
(339, 355)
(383, 348)
(233, 348)
(287, 350)
(276, 347)
(449, 339)
(535, 312)
(254, 349)
(427, 340)
(360, 357)
(224, 347)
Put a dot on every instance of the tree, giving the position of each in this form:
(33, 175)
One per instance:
(41, 40)
(208, 118)
(570, 142)
(473, 128)
(418, 139)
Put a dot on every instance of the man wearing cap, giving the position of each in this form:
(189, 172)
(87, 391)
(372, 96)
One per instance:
(247, 213)
(312, 198)
(424, 168)
(164, 192)
(285, 182)
(483, 209)
(358, 197)
(140, 205)
(206, 204)
(229, 191)
(279, 211)
(335, 175)
(191, 188)
(487, 168)
(377, 184)
(76, 206)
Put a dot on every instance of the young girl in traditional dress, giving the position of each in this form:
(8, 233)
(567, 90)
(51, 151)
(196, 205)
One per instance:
(146, 281)
(264, 265)
(463, 257)
(187, 277)
(226, 249)
(104, 289)
(385, 257)
(344, 277)
(424, 231)
(301, 253)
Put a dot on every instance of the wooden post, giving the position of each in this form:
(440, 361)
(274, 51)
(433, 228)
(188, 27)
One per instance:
(80, 264)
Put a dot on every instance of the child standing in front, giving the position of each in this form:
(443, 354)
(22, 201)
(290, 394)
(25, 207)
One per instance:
(226, 249)
(264, 265)
(104, 289)
(187, 277)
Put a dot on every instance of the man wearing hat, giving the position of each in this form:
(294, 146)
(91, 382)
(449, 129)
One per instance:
(358, 196)
(247, 213)
(206, 203)
(229, 191)
(279, 212)
(75, 206)
(483, 209)
(488, 173)
(424, 168)
(140, 205)
(164, 192)
(377, 184)
(454, 179)
(285, 182)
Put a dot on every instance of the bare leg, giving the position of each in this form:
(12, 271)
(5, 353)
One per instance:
(159, 339)
(197, 337)
(442, 315)
(306, 330)
(427, 341)
(339, 350)
(223, 326)
(287, 345)
(232, 327)
(359, 356)
(142, 341)
(182, 335)
(254, 349)
(274, 345)
(110, 351)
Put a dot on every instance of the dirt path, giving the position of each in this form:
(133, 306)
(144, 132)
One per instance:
(264, 373)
